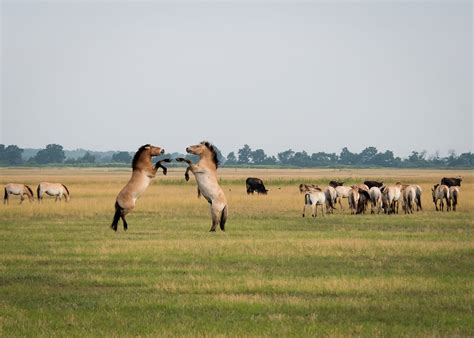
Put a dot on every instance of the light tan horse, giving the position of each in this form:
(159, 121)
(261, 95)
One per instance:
(18, 189)
(205, 172)
(354, 196)
(143, 172)
(342, 192)
(453, 196)
(392, 194)
(440, 192)
(58, 190)
(409, 193)
(312, 199)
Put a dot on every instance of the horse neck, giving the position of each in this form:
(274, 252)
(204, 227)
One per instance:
(206, 160)
(144, 162)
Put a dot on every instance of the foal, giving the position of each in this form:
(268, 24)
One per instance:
(143, 172)
(205, 172)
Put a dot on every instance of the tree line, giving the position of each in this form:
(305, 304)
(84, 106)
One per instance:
(369, 157)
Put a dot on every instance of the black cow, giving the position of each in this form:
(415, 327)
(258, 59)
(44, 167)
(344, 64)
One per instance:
(451, 181)
(255, 184)
(335, 184)
(371, 184)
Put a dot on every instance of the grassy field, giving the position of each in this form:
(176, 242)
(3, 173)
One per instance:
(63, 272)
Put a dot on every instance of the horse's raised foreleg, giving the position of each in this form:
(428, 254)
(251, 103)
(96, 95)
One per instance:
(189, 168)
(159, 165)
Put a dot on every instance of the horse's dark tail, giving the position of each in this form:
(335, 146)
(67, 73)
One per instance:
(38, 192)
(307, 199)
(223, 218)
(5, 196)
(31, 191)
(116, 219)
(418, 200)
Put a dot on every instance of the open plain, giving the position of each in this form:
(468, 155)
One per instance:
(64, 272)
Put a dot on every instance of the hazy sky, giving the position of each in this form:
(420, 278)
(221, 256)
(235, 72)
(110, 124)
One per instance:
(318, 76)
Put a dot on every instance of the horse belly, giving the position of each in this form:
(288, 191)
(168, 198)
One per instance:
(53, 192)
(208, 186)
(14, 191)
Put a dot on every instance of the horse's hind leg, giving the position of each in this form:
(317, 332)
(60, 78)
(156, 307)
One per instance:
(125, 224)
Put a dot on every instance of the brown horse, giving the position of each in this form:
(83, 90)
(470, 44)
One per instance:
(205, 172)
(143, 172)
(17, 189)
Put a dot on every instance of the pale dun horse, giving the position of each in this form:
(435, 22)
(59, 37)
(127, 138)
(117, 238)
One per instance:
(18, 189)
(205, 172)
(143, 172)
(57, 190)
(440, 192)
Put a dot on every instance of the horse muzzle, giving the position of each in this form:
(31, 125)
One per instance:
(162, 151)
(188, 150)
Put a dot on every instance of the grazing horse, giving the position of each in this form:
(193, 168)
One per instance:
(392, 195)
(409, 198)
(143, 172)
(313, 199)
(419, 191)
(440, 192)
(453, 196)
(342, 192)
(375, 199)
(364, 198)
(18, 189)
(354, 198)
(58, 190)
(308, 187)
(205, 172)
(331, 196)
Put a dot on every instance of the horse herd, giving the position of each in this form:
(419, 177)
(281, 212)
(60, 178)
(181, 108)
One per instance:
(382, 198)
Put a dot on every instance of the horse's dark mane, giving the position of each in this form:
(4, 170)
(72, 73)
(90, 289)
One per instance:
(66, 189)
(138, 153)
(29, 189)
(211, 147)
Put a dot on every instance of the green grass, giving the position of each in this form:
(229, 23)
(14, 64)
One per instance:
(63, 272)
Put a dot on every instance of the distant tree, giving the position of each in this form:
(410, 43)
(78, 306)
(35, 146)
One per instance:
(231, 159)
(385, 159)
(323, 159)
(87, 158)
(347, 157)
(11, 155)
(259, 156)
(285, 156)
(122, 157)
(269, 160)
(300, 159)
(53, 153)
(245, 154)
(367, 155)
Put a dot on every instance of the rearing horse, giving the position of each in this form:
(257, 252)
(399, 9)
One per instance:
(143, 172)
(205, 172)
(18, 189)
